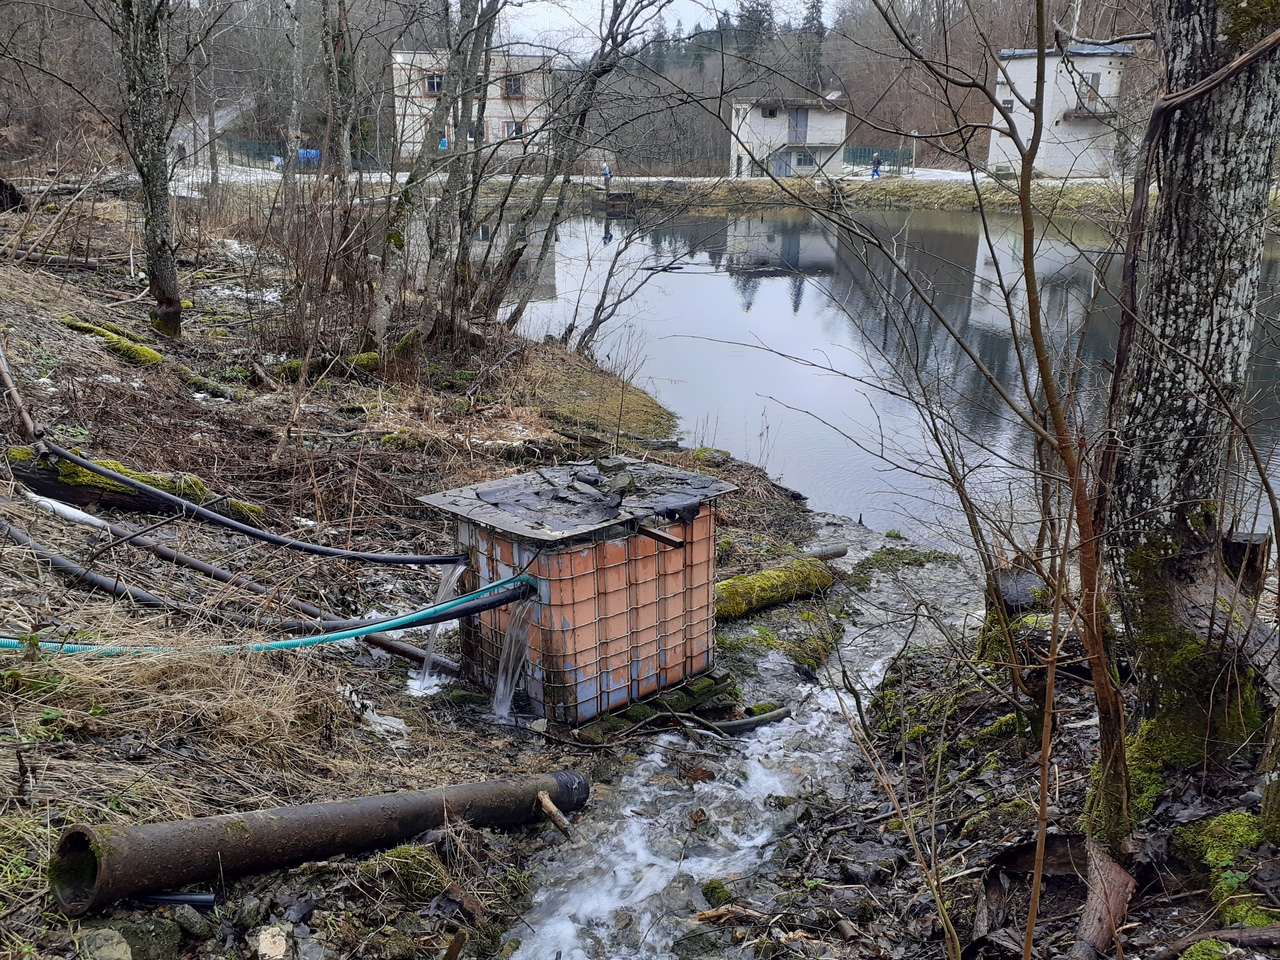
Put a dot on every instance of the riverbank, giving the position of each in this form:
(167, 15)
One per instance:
(333, 454)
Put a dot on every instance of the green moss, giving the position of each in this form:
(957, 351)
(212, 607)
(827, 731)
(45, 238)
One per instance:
(247, 511)
(185, 485)
(415, 870)
(677, 700)
(22, 454)
(1010, 726)
(891, 560)
(366, 362)
(1223, 845)
(1210, 949)
(716, 893)
(761, 708)
(1218, 842)
(802, 577)
(639, 712)
(407, 345)
(120, 343)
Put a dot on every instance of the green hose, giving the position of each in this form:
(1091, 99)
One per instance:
(399, 623)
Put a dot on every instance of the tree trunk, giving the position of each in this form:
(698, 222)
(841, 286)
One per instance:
(293, 135)
(1187, 377)
(147, 83)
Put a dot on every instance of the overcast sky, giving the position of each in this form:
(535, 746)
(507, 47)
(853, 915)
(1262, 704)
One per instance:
(554, 21)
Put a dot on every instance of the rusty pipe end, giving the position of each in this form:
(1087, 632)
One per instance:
(73, 869)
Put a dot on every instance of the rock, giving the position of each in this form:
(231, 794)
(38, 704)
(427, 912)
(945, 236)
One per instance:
(1020, 591)
(273, 943)
(192, 923)
(252, 913)
(104, 944)
(153, 938)
(310, 947)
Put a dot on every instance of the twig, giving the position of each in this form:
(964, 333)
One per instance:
(554, 815)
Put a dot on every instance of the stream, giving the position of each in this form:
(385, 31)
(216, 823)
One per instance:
(674, 815)
(770, 337)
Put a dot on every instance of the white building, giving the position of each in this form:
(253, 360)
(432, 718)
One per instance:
(1082, 97)
(787, 136)
(516, 95)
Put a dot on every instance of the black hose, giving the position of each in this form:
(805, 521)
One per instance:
(195, 510)
(95, 581)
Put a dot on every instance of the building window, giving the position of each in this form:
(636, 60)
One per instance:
(1007, 104)
(484, 233)
(475, 132)
(1087, 91)
(513, 128)
(434, 84)
(513, 86)
(804, 159)
(768, 112)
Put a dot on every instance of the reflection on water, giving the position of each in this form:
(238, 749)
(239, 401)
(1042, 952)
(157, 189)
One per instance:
(792, 345)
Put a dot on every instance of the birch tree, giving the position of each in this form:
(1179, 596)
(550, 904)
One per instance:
(1180, 383)
(141, 29)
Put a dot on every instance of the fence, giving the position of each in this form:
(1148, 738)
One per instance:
(899, 160)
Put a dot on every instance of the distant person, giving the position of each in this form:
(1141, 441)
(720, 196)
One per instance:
(444, 144)
(608, 175)
(875, 165)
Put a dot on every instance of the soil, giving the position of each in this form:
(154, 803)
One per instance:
(929, 834)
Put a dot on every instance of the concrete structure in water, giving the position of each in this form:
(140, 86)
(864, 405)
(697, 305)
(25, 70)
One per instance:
(624, 555)
(1081, 109)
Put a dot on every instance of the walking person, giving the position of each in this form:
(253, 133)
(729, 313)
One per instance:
(607, 174)
(875, 165)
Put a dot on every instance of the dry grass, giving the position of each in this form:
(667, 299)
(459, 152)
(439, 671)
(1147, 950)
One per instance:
(579, 395)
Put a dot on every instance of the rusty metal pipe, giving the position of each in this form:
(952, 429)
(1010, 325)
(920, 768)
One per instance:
(96, 865)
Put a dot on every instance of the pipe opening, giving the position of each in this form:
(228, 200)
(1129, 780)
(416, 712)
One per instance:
(73, 871)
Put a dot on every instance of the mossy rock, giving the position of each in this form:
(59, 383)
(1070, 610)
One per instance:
(716, 893)
(888, 560)
(741, 595)
(1223, 845)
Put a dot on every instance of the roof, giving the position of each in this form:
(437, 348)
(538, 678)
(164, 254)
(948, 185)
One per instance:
(1074, 50)
(827, 100)
(577, 499)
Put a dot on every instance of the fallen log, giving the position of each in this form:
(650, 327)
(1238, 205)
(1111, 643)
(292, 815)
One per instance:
(802, 577)
(27, 255)
(1236, 936)
(1110, 887)
(61, 480)
(93, 866)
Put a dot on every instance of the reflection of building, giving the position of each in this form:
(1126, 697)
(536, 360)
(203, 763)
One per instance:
(787, 136)
(488, 246)
(516, 97)
(1066, 278)
(1082, 92)
(772, 246)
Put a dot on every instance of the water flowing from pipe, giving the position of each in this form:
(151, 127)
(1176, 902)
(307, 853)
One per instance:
(515, 649)
(421, 681)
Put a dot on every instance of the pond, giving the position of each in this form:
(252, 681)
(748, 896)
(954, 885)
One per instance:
(781, 340)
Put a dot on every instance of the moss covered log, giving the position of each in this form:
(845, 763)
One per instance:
(75, 485)
(803, 577)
